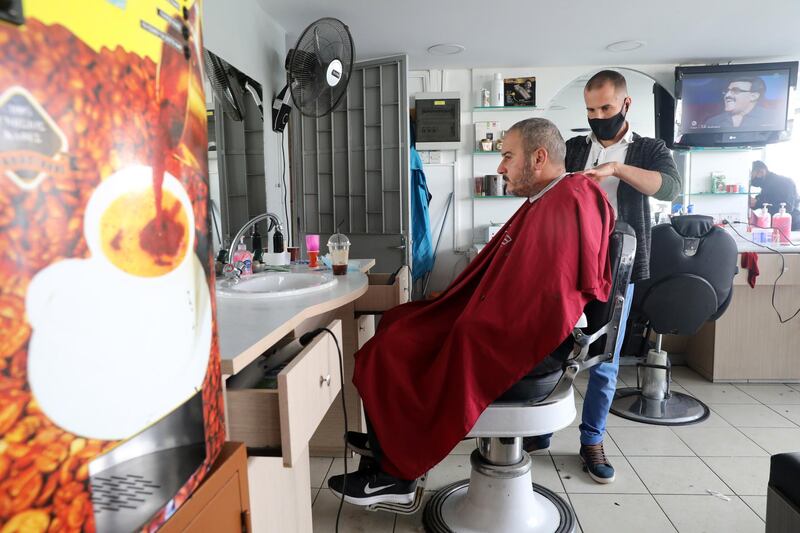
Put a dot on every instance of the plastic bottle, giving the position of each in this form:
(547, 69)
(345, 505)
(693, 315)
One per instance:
(243, 256)
(277, 241)
(782, 222)
(763, 219)
(497, 90)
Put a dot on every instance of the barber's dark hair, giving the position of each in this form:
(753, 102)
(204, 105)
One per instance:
(760, 165)
(607, 76)
(757, 85)
(541, 133)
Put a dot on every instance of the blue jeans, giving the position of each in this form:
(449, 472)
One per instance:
(602, 385)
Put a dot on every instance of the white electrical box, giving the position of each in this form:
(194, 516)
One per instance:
(438, 121)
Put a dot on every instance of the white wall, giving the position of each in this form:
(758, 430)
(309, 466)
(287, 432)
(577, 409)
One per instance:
(444, 178)
(249, 39)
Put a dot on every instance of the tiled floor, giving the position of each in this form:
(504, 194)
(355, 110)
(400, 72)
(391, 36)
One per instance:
(709, 477)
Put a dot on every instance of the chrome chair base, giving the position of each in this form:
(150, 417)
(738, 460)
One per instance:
(677, 409)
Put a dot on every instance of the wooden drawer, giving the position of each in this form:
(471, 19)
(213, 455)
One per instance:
(286, 418)
(380, 296)
(769, 266)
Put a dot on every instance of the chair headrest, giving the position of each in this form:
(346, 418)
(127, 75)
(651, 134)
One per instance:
(693, 226)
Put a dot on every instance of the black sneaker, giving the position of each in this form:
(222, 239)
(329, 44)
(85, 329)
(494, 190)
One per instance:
(359, 443)
(533, 444)
(366, 487)
(596, 464)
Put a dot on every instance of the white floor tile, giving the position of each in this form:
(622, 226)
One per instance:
(677, 475)
(567, 442)
(453, 468)
(745, 475)
(751, 416)
(649, 440)
(620, 513)
(776, 393)
(684, 375)
(544, 473)
(319, 470)
(792, 412)
(775, 440)
(713, 393)
(354, 519)
(714, 420)
(758, 504)
(718, 442)
(465, 447)
(576, 481)
(795, 386)
(704, 514)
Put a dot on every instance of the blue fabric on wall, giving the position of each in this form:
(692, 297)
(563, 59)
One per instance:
(422, 242)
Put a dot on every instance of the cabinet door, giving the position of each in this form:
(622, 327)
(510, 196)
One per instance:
(223, 514)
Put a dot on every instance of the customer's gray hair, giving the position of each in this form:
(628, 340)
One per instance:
(541, 133)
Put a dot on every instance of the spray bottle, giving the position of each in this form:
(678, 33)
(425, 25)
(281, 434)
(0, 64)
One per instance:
(782, 222)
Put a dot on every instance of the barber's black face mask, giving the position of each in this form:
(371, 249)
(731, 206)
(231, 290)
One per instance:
(606, 129)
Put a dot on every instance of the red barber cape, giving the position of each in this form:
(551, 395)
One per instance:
(434, 366)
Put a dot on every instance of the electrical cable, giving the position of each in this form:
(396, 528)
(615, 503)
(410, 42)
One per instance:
(285, 203)
(304, 340)
(783, 263)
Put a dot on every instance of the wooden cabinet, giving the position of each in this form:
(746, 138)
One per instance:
(748, 342)
(222, 502)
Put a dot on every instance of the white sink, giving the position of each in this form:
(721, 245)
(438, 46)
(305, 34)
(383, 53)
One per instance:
(277, 284)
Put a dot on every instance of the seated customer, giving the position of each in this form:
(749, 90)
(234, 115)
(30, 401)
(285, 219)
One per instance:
(434, 366)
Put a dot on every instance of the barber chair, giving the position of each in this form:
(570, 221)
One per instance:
(692, 265)
(500, 495)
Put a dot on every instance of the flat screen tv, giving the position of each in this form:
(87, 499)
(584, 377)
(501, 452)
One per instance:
(733, 105)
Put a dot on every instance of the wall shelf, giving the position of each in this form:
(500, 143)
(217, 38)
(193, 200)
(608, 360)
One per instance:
(715, 194)
(508, 108)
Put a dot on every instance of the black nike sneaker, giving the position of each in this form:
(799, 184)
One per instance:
(359, 443)
(367, 486)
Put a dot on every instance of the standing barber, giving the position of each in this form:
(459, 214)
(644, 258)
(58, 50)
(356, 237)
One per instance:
(629, 168)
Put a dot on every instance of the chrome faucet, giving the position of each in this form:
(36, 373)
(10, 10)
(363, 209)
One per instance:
(231, 270)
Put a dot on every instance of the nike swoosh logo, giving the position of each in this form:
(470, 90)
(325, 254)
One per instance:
(373, 490)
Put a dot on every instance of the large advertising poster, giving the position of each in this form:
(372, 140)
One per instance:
(106, 280)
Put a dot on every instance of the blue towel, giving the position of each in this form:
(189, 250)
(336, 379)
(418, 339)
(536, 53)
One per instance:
(422, 242)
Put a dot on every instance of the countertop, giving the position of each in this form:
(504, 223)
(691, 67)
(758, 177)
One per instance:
(744, 245)
(248, 327)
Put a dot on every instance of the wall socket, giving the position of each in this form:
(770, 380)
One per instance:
(435, 157)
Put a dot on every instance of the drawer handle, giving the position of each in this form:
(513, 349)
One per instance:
(326, 380)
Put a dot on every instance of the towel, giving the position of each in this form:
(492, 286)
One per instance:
(750, 262)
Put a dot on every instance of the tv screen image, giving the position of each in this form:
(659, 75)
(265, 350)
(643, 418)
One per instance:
(747, 101)
(733, 104)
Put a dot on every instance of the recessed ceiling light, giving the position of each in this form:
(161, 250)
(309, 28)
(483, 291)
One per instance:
(624, 46)
(445, 49)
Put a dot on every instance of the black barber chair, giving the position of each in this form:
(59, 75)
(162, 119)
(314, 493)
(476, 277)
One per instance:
(500, 495)
(692, 265)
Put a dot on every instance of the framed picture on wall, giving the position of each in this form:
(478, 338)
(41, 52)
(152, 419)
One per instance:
(520, 91)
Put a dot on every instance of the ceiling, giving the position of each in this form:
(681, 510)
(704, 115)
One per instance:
(556, 32)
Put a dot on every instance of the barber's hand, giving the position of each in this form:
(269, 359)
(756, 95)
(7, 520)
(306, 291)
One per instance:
(601, 172)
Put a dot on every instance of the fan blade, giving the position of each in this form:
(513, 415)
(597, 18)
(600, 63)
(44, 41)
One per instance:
(316, 45)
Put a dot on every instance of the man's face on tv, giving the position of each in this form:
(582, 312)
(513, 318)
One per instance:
(738, 98)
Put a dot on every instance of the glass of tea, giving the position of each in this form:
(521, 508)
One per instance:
(339, 248)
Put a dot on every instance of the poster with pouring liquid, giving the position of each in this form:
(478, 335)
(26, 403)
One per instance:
(107, 313)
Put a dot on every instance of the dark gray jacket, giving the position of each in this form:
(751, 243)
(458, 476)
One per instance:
(633, 206)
